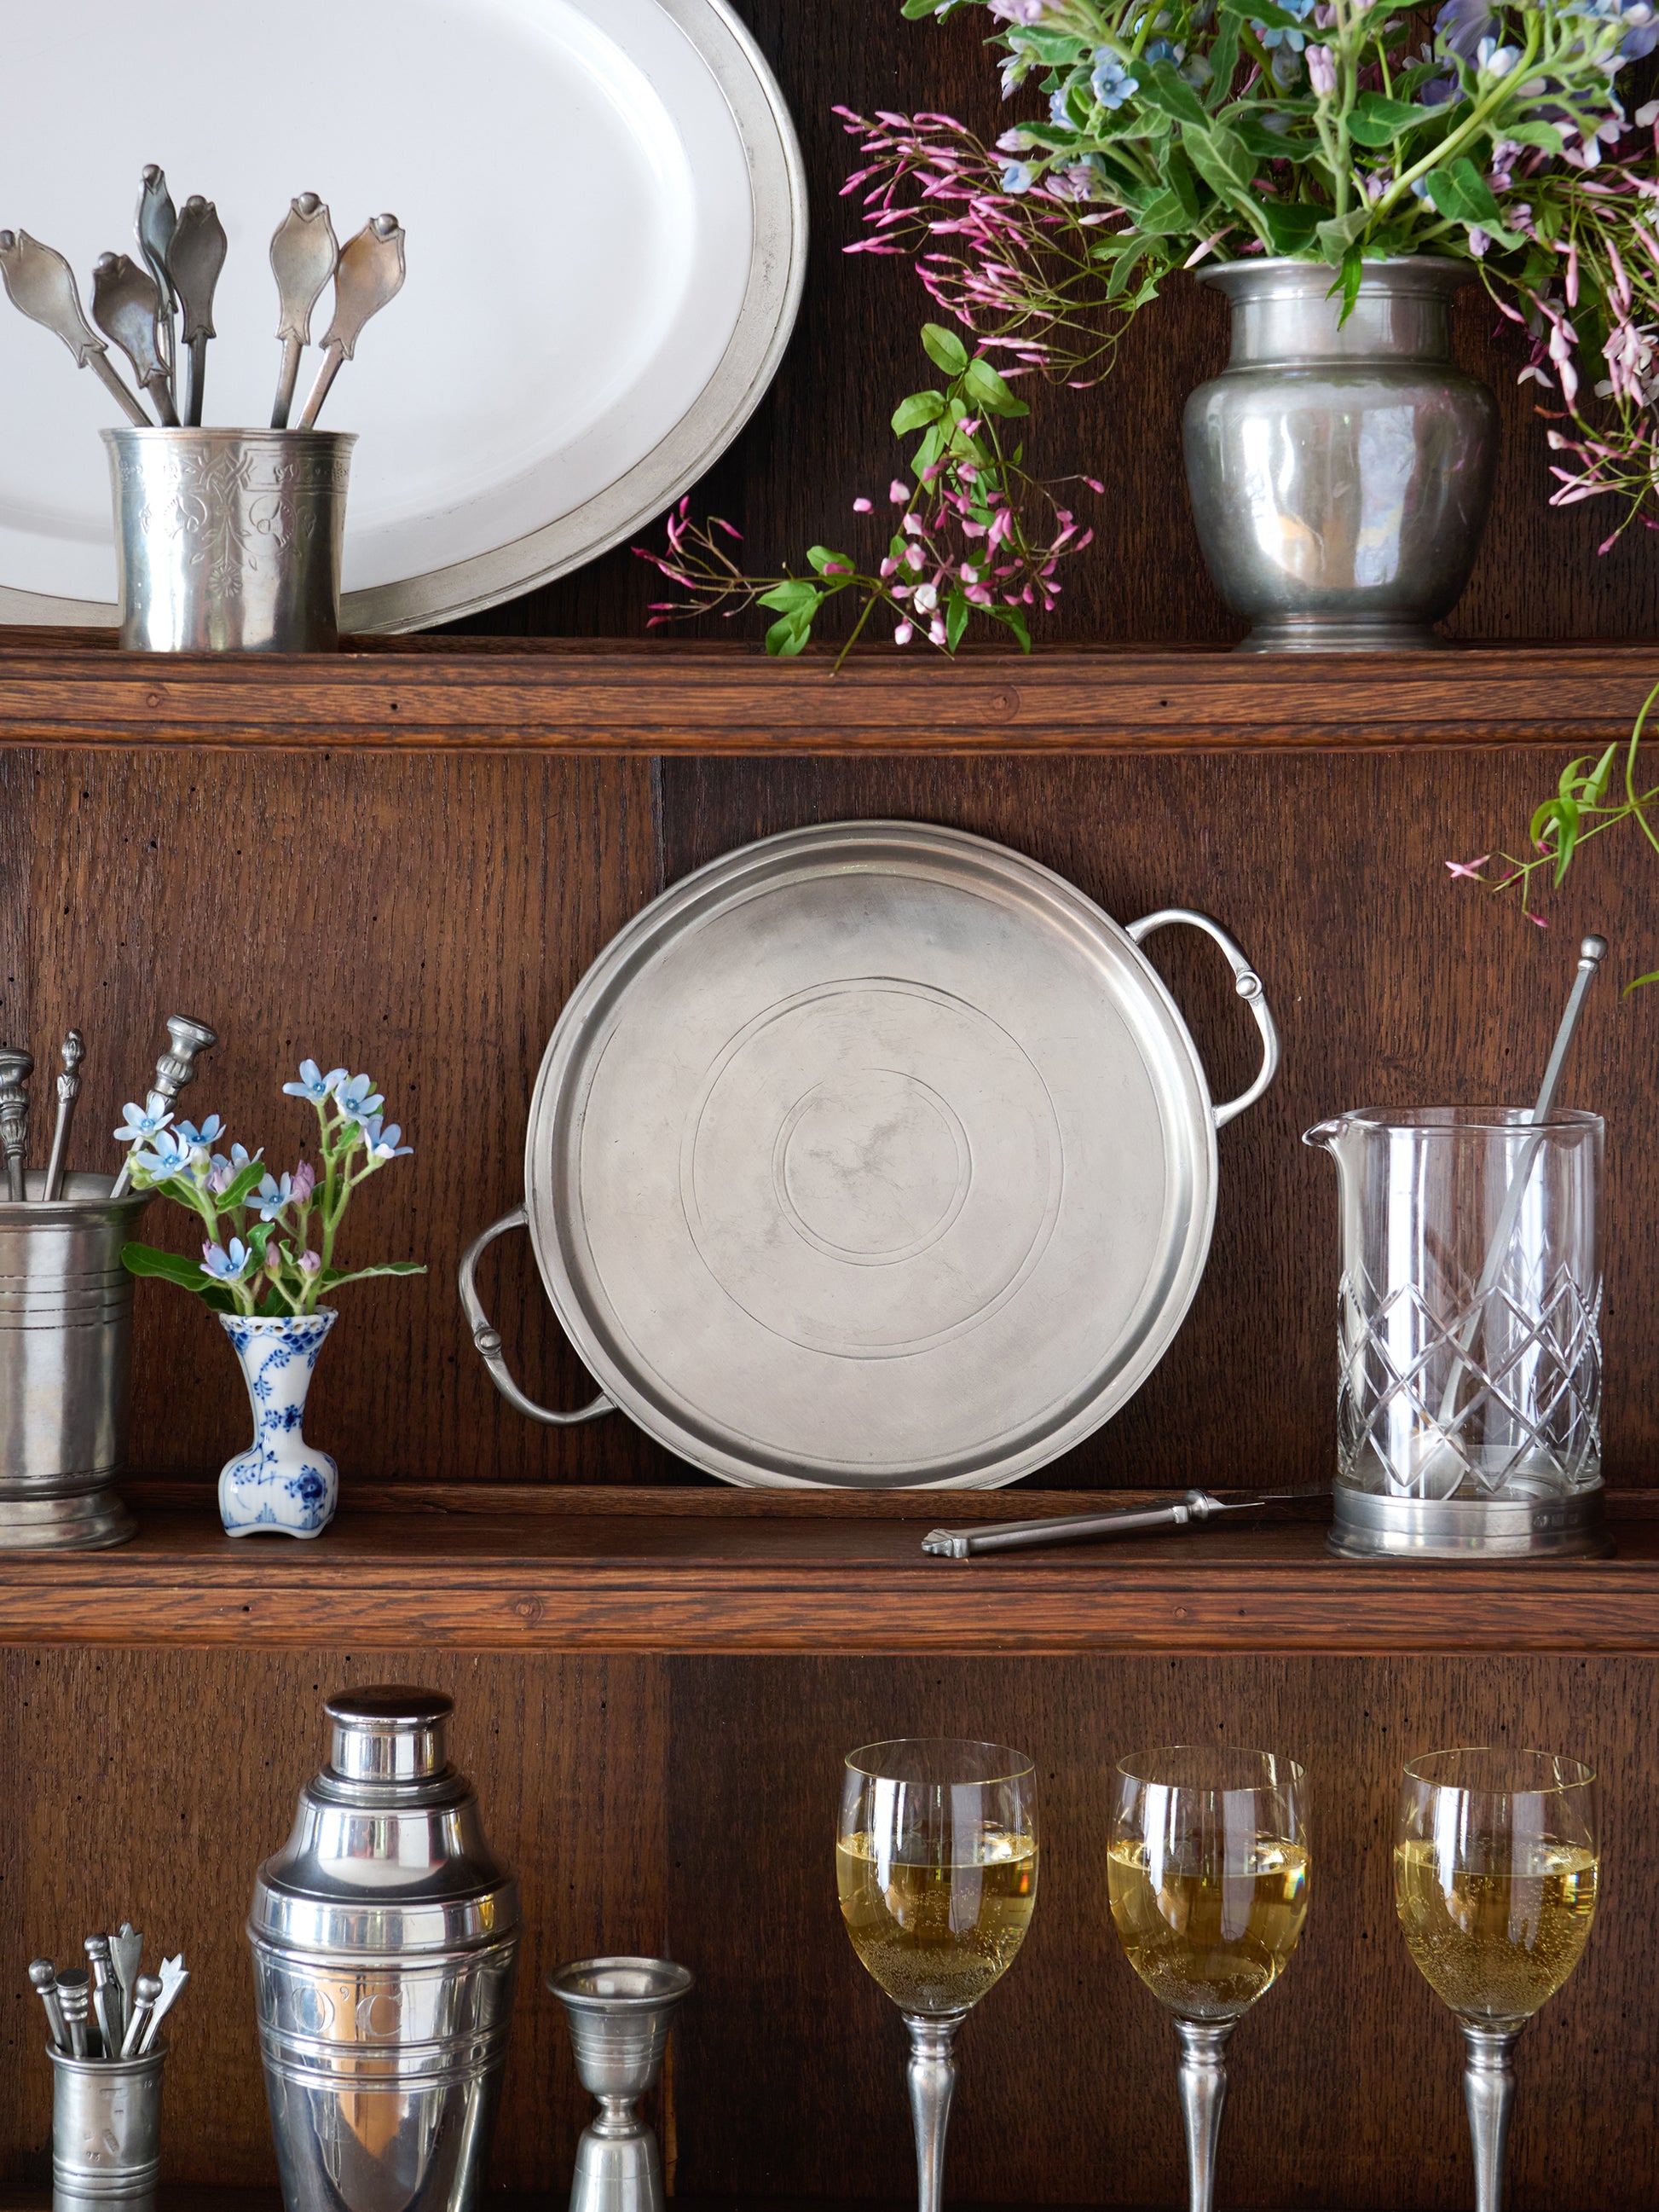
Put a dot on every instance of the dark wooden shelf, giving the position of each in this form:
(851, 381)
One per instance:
(420, 1566)
(60, 688)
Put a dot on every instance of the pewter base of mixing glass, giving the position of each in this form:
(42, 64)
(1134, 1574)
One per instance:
(1373, 1525)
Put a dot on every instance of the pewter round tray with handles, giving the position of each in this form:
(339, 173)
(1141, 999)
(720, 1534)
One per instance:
(873, 1155)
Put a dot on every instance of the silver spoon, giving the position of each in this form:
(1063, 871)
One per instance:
(156, 221)
(304, 255)
(194, 261)
(41, 285)
(16, 1069)
(370, 276)
(71, 1052)
(126, 307)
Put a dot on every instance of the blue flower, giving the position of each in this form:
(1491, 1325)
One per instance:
(168, 1156)
(272, 1196)
(225, 1267)
(1017, 177)
(1495, 60)
(384, 1146)
(356, 1099)
(1435, 93)
(1163, 49)
(313, 1084)
(1462, 24)
(139, 1123)
(1282, 35)
(1111, 82)
(209, 1132)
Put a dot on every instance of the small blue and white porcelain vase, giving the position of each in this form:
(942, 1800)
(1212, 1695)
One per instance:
(281, 1485)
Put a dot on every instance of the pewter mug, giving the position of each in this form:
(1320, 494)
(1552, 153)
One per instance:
(385, 1941)
(620, 2011)
(106, 2131)
(1341, 473)
(229, 541)
(65, 1366)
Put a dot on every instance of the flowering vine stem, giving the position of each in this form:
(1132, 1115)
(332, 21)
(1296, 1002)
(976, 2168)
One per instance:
(962, 543)
(1563, 825)
(266, 1265)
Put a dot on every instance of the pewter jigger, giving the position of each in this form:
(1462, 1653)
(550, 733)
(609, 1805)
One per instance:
(620, 2012)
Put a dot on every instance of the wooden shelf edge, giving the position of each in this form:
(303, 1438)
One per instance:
(664, 1584)
(586, 699)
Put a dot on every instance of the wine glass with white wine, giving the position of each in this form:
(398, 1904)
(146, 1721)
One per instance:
(936, 1862)
(1206, 1871)
(1494, 1880)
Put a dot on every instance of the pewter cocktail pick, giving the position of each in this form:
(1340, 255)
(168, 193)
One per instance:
(173, 1975)
(370, 275)
(194, 261)
(75, 1995)
(44, 1975)
(173, 1071)
(16, 1069)
(106, 1995)
(41, 285)
(126, 1951)
(72, 1052)
(304, 255)
(126, 307)
(145, 1991)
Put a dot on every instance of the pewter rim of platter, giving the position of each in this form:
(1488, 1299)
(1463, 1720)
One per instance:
(732, 879)
(766, 322)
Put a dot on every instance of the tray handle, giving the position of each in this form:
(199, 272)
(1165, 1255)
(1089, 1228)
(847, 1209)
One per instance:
(488, 1338)
(1246, 983)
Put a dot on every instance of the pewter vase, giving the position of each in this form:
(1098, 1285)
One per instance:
(229, 541)
(281, 1485)
(386, 1938)
(65, 1366)
(1340, 472)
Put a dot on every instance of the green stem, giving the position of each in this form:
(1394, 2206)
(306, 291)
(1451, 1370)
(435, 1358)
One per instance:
(1469, 128)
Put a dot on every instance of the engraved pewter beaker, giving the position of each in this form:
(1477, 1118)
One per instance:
(65, 1366)
(1468, 1420)
(620, 2012)
(229, 541)
(386, 1937)
(106, 2131)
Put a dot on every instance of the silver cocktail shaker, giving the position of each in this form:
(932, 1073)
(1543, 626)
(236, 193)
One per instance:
(386, 1938)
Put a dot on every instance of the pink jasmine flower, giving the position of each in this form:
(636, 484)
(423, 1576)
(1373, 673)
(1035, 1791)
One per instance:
(904, 633)
(1471, 869)
(936, 630)
(897, 493)
(861, 506)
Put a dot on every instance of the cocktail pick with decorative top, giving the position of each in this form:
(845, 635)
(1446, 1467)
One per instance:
(369, 277)
(16, 1069)
(126, 1951)
(105, 1995)
(40, 284)
(145, 1991)
(173, 1975)
(72, 1052)
(304, 255)
(75, 1995)
(194, 261)
(44, 1975)
(173, 1071)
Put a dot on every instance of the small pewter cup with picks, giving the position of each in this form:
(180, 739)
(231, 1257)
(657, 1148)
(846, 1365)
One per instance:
(106, 2131)
(620, 2012)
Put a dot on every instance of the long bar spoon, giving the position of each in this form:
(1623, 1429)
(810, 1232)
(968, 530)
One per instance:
(370, 276)
(71, 1052)
(16, 1069)
(175, 1069)
(126, 307)
(1200, 1506)
(304, 254)
(194, 261)
(156, 221)
(40, 284)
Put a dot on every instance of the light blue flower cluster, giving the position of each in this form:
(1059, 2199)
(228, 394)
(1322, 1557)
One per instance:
(1111, 82)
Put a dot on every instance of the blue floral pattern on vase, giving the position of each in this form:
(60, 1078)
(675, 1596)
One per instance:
(281, 1485)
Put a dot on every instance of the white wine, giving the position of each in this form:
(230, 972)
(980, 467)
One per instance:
(1208, 1943)
(1493, 1946)
(936, 1937)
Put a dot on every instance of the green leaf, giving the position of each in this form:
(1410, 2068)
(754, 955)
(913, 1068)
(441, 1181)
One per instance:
(1014, 619)
(1376, 120)
(1290, 224)
(1223, 160)
(333, 1277)
(822, 558)
(1163, 217)
(956, 619)
(174, 1268)
(920, 407)
(985, 387)
(1224, 60)
(1124, 266)
(1163, 86)
(242, 1185)
(945, 349)
(1353, 268)
(1636, 982)
(1340, 233)
(1265, 13)
(1460, 192)
(789, 637)
(1537, 133)
(1561, 815)
(794, 596)
(1273, 145)
(1596, 790)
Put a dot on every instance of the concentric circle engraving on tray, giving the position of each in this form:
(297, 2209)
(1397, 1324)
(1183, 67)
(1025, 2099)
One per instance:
(829, 1167)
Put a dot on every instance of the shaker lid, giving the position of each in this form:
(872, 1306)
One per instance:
(388, 1853)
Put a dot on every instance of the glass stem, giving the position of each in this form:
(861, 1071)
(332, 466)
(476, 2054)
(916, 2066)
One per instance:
(932, 2078)
(1202, 2077)
(1489, 2094)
